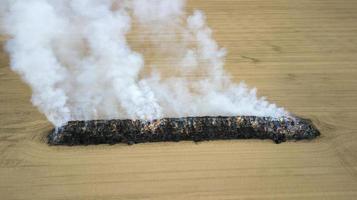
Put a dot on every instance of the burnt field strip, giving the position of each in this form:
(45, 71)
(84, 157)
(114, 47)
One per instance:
(186, 128)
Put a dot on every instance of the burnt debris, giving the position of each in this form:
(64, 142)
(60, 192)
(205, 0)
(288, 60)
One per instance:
(186, 128)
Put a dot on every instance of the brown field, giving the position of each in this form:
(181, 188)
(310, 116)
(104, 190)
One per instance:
(300, 54)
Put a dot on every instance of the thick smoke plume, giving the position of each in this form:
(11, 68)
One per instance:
(77, 58)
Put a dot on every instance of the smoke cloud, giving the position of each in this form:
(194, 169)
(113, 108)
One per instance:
(77, 58)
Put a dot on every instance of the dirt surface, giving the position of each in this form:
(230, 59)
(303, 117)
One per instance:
(300, 54)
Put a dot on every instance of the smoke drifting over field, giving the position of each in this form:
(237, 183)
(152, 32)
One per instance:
(76, 57)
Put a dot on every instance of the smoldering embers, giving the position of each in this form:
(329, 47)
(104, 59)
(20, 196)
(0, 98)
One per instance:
(177, 129)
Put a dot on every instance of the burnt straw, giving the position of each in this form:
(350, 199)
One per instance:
(185, 128)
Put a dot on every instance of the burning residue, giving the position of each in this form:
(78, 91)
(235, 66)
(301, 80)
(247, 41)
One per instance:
(186, 128)
(76, 57)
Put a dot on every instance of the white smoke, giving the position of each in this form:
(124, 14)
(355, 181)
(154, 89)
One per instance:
(76, 57)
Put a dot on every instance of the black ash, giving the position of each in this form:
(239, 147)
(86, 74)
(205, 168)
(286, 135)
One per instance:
(186, 128)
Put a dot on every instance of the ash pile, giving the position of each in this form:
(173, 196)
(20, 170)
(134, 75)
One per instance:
(186, 128)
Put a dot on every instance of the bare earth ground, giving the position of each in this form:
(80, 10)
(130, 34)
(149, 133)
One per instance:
(300, 54)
